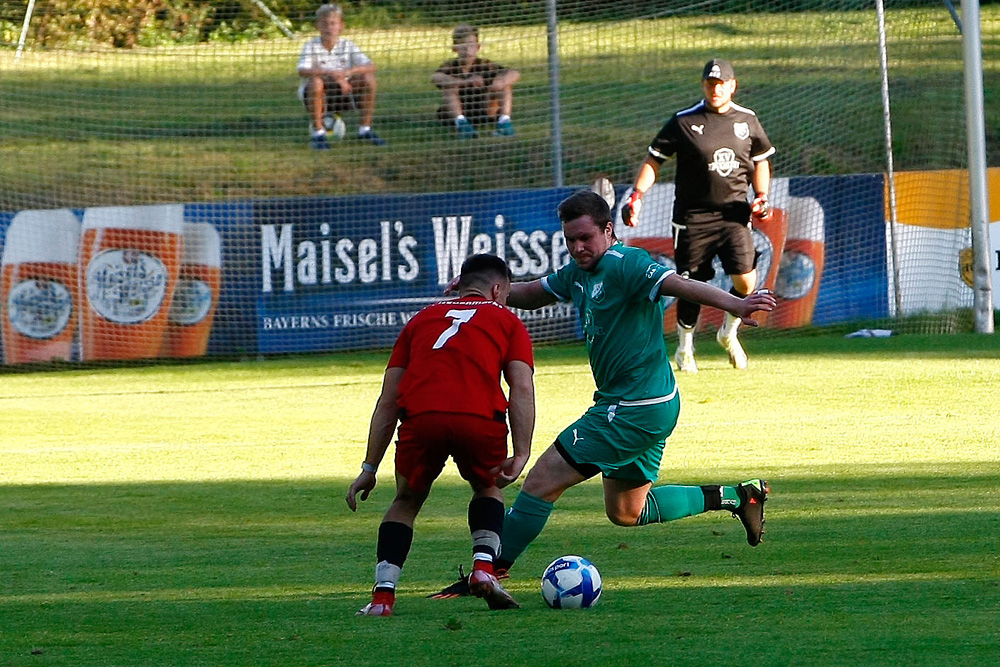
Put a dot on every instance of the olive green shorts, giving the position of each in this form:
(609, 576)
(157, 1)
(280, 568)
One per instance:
(623, 440)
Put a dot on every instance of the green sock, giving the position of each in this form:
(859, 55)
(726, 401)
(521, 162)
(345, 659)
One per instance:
(522, 524)
(667, 503)
(730, 499)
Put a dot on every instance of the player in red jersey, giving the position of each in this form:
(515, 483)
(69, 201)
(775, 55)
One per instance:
(442, 385)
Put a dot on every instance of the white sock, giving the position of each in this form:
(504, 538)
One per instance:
(729, 326)
(364, 129)
(386, 575)
(459, 118)
(321, 132)
(685, 336)
(503, 117)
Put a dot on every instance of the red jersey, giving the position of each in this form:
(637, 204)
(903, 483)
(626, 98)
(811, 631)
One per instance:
(454, 353)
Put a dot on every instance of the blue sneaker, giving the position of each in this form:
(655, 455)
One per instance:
(319, 142)
(465, 129)
(373, 138)
(505, 128)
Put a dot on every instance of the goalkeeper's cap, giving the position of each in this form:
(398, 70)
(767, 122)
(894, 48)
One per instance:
(717, 68)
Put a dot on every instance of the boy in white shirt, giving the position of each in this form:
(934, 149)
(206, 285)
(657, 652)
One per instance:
(336, 77)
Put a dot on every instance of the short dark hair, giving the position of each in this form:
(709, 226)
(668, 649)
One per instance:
(585, 202)
(462, 32)
(483, 268)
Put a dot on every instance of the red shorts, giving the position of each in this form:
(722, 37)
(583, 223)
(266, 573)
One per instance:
(477, 444)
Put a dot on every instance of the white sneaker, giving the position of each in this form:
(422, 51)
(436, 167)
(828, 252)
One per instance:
(731, 344)
(685, 361)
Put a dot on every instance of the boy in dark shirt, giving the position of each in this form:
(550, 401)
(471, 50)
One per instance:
(476, 91)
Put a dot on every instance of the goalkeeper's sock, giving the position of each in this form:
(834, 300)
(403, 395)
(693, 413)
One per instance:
(522, 524)
(685, 338)
(460, 118)
(671, 502)
(503, 117)
(730, 323)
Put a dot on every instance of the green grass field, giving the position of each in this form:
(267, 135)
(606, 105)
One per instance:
(194, 515)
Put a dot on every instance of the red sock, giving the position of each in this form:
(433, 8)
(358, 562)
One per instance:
(384, 597)
(485, 565)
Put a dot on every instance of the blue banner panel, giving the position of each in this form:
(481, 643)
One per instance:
(854, 282)
(336, 273)
(234, 331)
(348, 272)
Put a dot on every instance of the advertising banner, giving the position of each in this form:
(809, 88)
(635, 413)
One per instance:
(320, 274)
(258, 277)
(348, 272)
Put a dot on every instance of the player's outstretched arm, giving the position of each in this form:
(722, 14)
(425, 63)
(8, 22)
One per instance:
(521, 412)
(710, 295)
(529, 295)
(380, 432)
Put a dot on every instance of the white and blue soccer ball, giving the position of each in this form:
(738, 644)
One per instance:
(571, 582)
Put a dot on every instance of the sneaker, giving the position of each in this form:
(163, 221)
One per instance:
(465, 129)
(484, 585)
(373, 138)
(319, 142)
(753, 495)
(460, 588)
(731, 344)
(685, 361)
(381, 605)
(505, 128)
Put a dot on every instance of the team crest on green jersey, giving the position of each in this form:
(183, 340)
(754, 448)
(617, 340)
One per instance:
(597, 292)
(590, 329)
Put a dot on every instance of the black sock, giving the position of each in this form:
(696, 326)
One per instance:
(394, 541)
(713, 496)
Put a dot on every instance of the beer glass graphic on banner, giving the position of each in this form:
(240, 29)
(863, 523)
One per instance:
(38, 286)
(129, 262)
(797, 287)
(193, 309)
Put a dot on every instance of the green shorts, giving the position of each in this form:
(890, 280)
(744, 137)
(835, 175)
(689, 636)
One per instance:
(623, 440)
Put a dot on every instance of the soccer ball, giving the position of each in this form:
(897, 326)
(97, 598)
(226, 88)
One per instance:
(335, 125)
(339, 128)
(571, 582)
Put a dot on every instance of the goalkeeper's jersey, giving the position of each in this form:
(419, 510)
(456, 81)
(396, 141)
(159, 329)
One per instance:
(716, 158)
(621, 311)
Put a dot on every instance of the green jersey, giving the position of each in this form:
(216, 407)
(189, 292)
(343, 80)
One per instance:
(621, 311)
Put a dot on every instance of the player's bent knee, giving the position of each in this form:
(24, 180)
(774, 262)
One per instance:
(620, 517)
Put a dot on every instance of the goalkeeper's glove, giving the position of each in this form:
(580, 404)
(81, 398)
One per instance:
(631, 208)
(761, 208)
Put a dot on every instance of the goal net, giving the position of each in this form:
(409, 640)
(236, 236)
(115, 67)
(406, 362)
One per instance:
(160, 195)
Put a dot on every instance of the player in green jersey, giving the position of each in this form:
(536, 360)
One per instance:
(618, 291)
